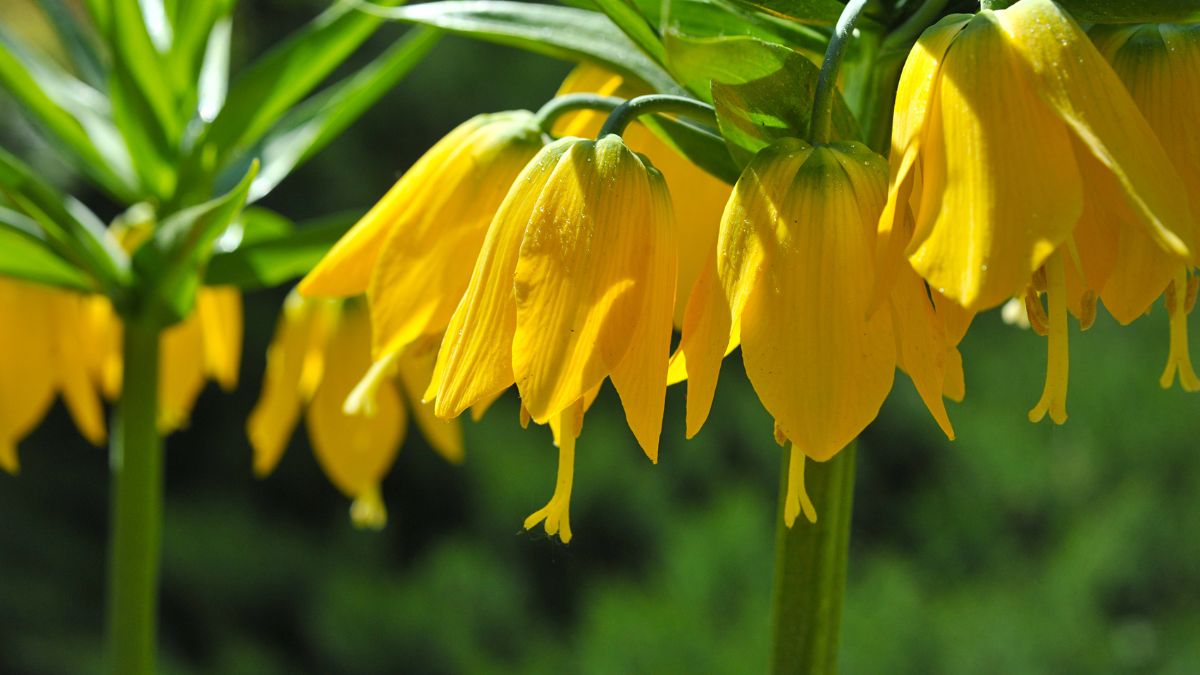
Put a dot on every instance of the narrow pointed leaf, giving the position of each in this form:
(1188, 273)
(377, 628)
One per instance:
(72, 114)
(76, 40)
(311, 126)
(25, 254)
(560, 32)
(277, 260)
(272, 85)
(634, 25)
(73, 231)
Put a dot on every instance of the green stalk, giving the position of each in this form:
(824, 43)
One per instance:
(822, 117)
(810, 570)
(137, 480)
(630, 110)
(558, 106)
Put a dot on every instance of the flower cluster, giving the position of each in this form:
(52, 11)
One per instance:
(1026, 163)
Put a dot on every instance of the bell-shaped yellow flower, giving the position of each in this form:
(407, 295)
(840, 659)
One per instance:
(1160, 66)
(407, 253)
(1005, 173)
(575, 283)
(320, 350)
(698, 198)
(43, 350)
(792, 282)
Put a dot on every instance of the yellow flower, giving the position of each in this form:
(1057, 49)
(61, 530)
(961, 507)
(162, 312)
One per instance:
(407, 254)
(1160, 66)
(43, 351)
(320, 351)
(698, 197)
(1000, 169)
(792, 282)
(575, 283)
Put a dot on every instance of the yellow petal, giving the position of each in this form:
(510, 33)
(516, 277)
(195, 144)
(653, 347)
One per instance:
(419, 276)
(220, 314)
(578, 278)
(296, 354)
(181, 372)
(921, 346)
(1085, 92)
(699, 198)
(354, 452)
(954, 386)
(346, 268)
(1000, 189)
(713, 322)
(27, 365)
(641, 377)
(72, 360)
(444, 436)
(475, 361)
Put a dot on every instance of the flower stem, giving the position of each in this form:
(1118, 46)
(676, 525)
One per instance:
(822, 117)
(630, 110)
(558, 106)
(137, 480)
(810, 570)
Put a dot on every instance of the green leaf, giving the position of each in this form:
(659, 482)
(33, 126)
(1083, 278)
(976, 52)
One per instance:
(812, 12)
(753, 113)
(311, 126)
(272, 85)
(692, 19)
(703, 46)
(1133, 11)
(72, 113)
(74, 232)
(25, 254)
(192, 23)
(143, 98)
(273, 261)
(560, 32)
(172, 262)
(626, 16)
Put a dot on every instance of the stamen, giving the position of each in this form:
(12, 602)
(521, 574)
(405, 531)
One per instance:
(1036, 313)
(797, 497)
(1179, 359)
(1087, 309)
(1054, 395)
(780, 437)
(556, 513)
(363, 399)
(1039, 278)
(367, 511)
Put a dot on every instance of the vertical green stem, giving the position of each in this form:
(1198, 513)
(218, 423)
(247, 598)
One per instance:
(810, 570)
(822, 116)
(137, 484)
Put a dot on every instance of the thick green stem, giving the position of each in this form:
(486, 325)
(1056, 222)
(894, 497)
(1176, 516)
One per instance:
(630, 110)
(822, 117)
(558, 106)
(810, 570)
(137, 486)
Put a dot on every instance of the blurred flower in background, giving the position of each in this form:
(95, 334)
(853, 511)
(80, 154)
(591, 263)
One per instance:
(321, 349)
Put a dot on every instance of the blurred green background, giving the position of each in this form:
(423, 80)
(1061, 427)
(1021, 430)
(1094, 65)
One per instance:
(1016, 549)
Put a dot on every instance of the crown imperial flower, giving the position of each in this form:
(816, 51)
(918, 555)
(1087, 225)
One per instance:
(575, 284)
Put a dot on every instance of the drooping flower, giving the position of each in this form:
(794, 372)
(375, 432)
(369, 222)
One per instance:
(698, 198)
(1160, 66)
(44, 335)
(792, 281)
(407, 254)
(1006, 174)
(575, 284)
(320, 351)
